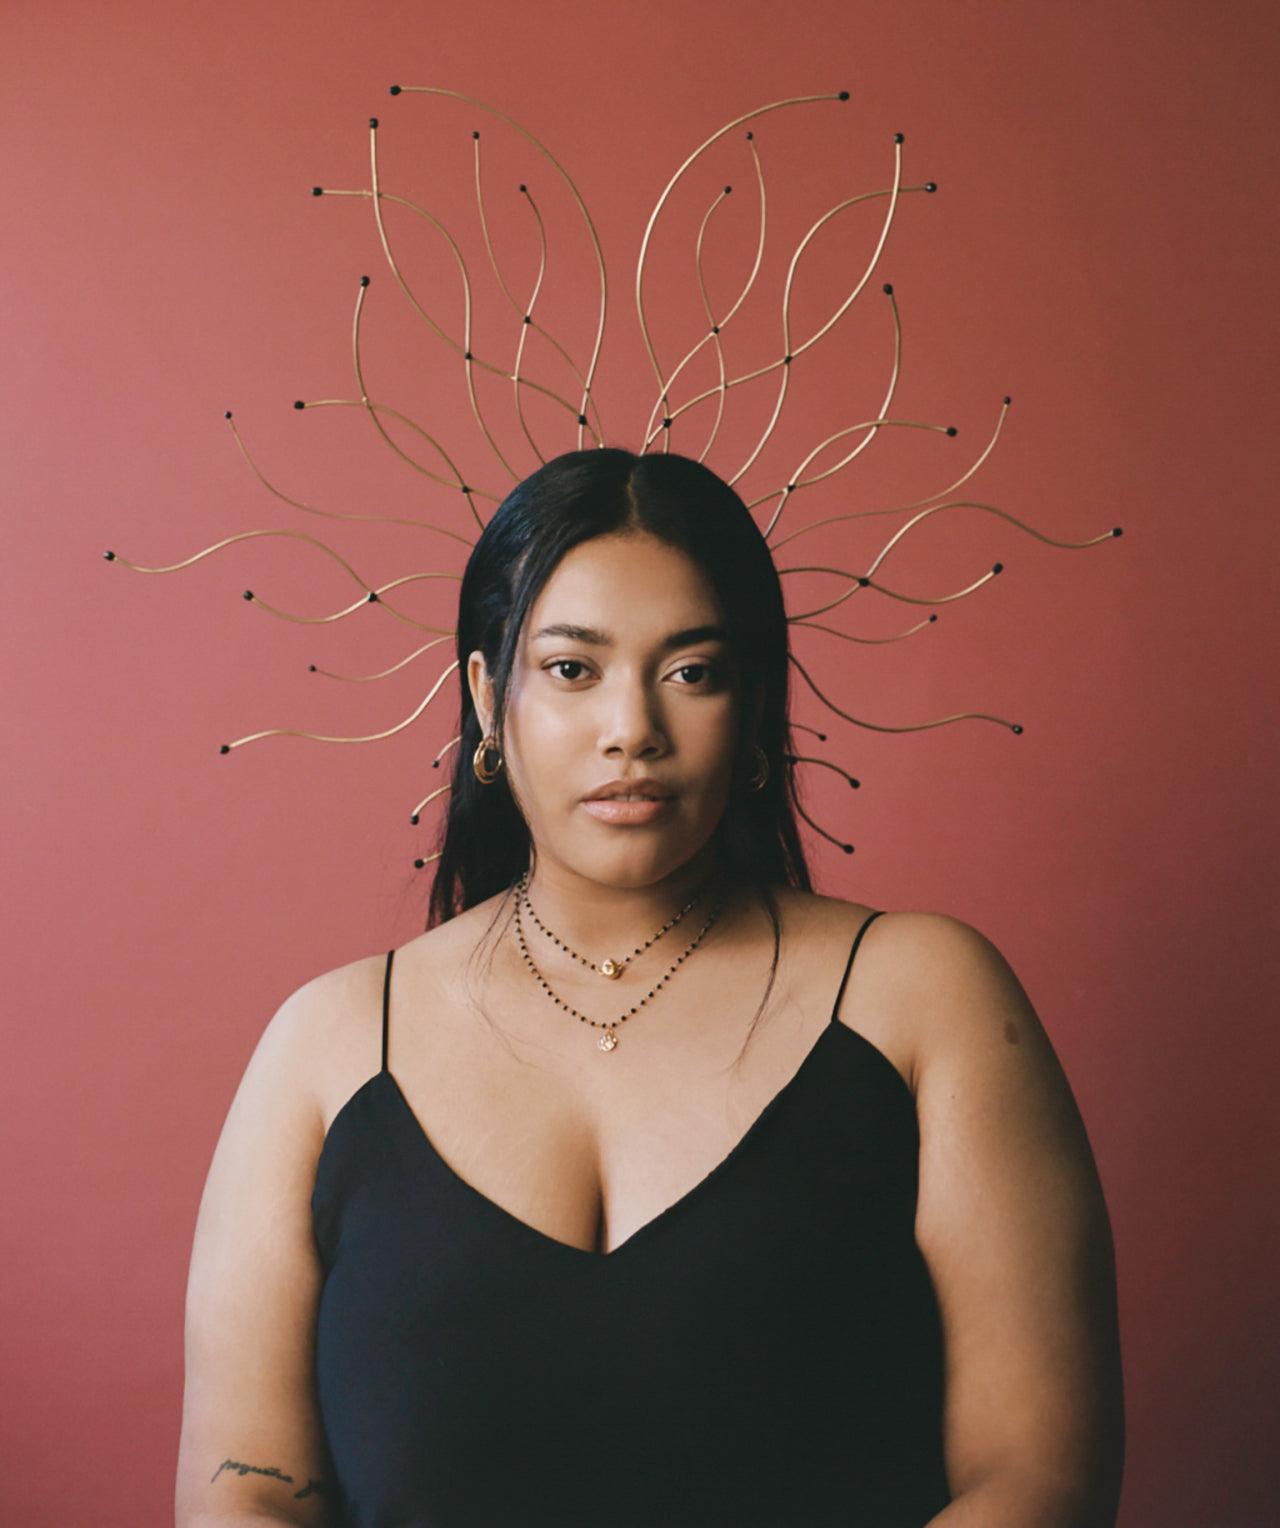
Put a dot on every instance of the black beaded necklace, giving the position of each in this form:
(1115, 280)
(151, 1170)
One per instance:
(611, 969)
(608, 1038)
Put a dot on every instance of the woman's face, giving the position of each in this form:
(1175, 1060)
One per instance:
(622, 713)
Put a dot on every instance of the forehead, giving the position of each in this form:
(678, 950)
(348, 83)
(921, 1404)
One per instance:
(629, 583)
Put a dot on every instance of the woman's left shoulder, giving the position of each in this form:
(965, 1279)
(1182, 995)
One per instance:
(926, 987)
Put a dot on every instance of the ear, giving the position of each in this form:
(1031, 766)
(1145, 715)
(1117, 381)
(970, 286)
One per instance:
(481, 687)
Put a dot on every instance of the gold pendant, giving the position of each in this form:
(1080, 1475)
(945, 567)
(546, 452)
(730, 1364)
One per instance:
(607, 1041)
(611, 969)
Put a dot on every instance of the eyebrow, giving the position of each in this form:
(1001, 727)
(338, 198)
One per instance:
(592, 636)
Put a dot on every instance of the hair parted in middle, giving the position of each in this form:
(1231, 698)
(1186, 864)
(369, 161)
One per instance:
(485, 844)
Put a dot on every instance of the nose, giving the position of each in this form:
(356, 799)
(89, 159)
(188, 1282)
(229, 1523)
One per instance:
(631, 724)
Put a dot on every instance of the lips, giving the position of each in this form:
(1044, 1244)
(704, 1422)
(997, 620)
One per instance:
(629, 803)
(630, 790)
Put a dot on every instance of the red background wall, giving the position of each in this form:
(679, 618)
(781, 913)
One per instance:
(1103, 247)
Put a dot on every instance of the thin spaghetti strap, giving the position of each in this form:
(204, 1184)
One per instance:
(386, 1008)
(844, 980)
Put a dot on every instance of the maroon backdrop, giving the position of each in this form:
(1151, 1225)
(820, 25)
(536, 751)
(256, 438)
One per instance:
(1101, 246)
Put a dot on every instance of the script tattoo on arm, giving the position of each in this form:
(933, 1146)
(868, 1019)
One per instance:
(312, 1487)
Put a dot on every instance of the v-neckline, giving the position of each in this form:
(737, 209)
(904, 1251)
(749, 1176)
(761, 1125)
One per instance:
(664, 1216)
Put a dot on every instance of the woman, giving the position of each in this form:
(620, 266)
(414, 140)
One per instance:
(459, 1263)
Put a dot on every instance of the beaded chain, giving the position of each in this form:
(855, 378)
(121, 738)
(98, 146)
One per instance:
(609, 1039)
(612, 969)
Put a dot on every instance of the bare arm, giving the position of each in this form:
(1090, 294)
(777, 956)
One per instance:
(1012, 1224)
(252, 1450)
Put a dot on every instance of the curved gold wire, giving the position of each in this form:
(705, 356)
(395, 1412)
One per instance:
(526, 312)
(379, 409)
(817, 828)
(455, 95)
(218, 546)
(902, 509)
(808, 758)
(387, 672)
(374, 596)
(426, 801)
(864, 581)
(942, 721)
(372, 737)
(760, 111)
(848, 636)
(452, 743)
(335, 514)
(798, 479)
(791, 352)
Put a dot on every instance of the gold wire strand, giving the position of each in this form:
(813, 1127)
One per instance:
(942, 721)
(426, 859)
(791, 352)
(457, 481)
(467, 357)
(830, 837)
(798, 479)
(772, 366)
(808, 758)
(848, 636)
(387, 672)
(452, 743)
(334, 514)
(902, 509)
(760, 111)
(805, 727)
(426, 801)
(455, 95)
(372, 737)
(717, 329)
(527, 320)
(374, 415)
(373, 596)
(863, 581)
(227, 541)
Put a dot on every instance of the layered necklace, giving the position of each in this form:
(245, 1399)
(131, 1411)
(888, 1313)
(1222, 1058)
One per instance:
(611, 970)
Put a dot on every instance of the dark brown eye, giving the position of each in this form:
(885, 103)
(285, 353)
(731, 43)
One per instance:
(567, 668)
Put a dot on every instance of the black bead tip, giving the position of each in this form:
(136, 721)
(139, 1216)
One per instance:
(728, 190)
(364, 281)
(863, 581)
(528, 318)
(248, 594)
(311, 669)
(373, 122)
(317, 190)
(419, 864)
(931, 186)
(435, 763)
(750, 136)
(225, 748)
(524, 190)
(1118, 530)
(667, 423)
(414, 819)
(848, 848)
(951, 429)
(395, 90)
(998, 567)
(372, 597)
(298, 403)
(844, 95)
(855, 784)
(1007, 401)
(898, 138)
(888, 289)
(934, 616)
(1016, 729)
(227, 414)
(582, 419)
(464, 488)
(475, 132)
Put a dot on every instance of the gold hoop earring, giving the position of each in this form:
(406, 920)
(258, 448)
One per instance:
(759, 775)
(485, 772)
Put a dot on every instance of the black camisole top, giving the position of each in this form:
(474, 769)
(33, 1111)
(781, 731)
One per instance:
(765, 1352)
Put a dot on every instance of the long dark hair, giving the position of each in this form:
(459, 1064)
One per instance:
(485, 843)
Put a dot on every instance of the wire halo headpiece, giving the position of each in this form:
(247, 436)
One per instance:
(679, 401)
